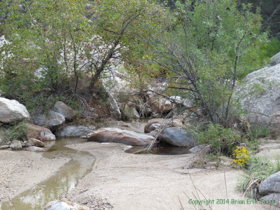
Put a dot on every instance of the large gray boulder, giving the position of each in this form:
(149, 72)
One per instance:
(54, 119)
(259, 96)
(75, 131)
(177, 137)
(12, 110)
(275, 59)
(64, 110)
(117, 135)
(270, 185)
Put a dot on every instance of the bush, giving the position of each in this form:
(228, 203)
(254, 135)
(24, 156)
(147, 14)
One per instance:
(14, 132)
(223, 140)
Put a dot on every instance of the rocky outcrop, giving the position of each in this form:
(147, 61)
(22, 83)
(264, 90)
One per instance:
(34, 142)
(12, 110)
(75, 131)
(259, 96)
(117, 135)
(275, 59)
(177, 137)
(40, 133)
(16, 145)
(64, 205)
(64, 110)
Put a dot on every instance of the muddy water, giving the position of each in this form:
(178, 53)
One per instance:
(58, 185)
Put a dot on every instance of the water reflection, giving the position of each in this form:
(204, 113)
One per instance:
(58, 185)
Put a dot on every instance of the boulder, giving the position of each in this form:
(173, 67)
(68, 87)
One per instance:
(275, 59)
(75, 131)
(177, 137)
(16, 145)
(151, 126)
(273, 199)
(64, 205)
(4, 147)
(34, 142)
(270, 185)
(55, 119)
(258, 94)
(12, 110)
(36, 149)
(117, 135)
(40, 133)
(64, 110)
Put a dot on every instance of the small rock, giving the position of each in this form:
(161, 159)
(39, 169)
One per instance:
(16, 145)
(197, 148)
(36, 149)
(151, 126)
(34, 142)
(64, 205)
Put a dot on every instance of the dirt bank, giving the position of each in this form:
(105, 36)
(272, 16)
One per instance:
(144, 182)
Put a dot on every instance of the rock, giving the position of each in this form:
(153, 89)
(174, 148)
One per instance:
(4, 147)
(197, 148)
(75, 131)
(273, 198)
(114, 105)
(55, 119)
(40, 119)
(270, 184)
(34, 142)
(36, 149)
(162, 105)
(177, 137)
(168, 122)
(151, 126)
(258, 94)
(40, 133)
(275, 59)
(130, 112)
(16, 145)
(65, 110)
(120, 136)
(64, 205)
(12, 110)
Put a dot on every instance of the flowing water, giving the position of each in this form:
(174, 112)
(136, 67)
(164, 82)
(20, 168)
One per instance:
(58, 185)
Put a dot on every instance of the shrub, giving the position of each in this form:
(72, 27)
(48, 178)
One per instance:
(223, 140)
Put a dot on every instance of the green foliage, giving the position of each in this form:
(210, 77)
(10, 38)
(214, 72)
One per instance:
(14, 132)
(223, 140)
(257, 169)
(204, 47)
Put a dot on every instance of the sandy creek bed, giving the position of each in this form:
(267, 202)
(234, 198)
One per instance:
(125, 181)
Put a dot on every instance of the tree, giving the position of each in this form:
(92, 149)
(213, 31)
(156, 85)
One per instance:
(204, 48)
